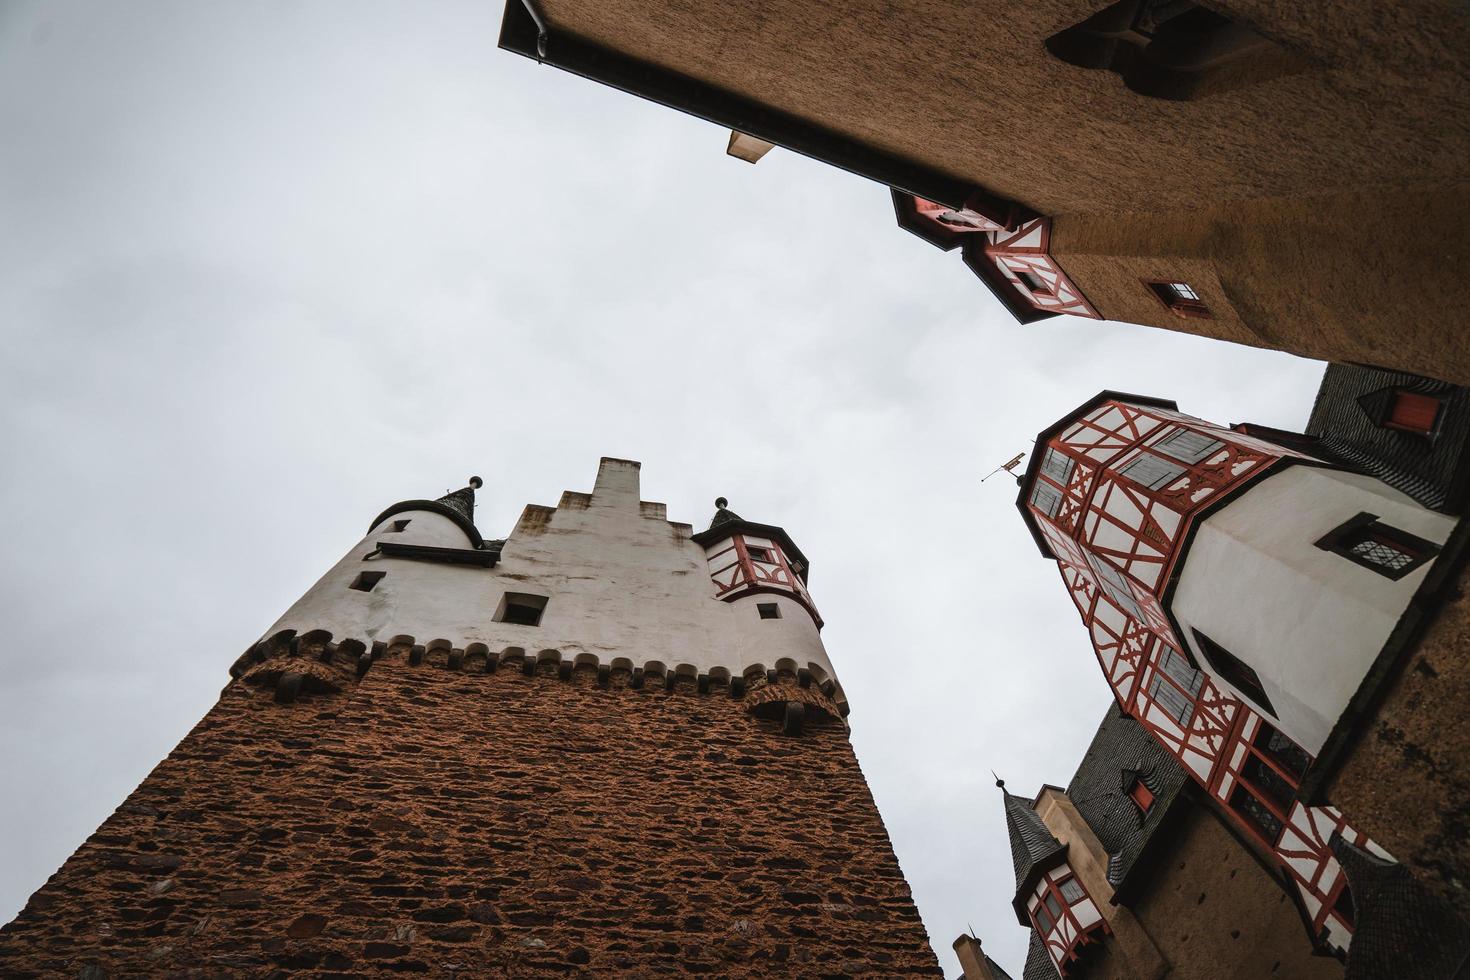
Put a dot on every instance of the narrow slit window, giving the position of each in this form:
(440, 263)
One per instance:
(521, 609)
(1239, 674)
(1387, 550)
(365, 581)
(768, 610)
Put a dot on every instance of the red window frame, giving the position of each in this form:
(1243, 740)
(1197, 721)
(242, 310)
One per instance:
(1141, 795)
(1264, 759)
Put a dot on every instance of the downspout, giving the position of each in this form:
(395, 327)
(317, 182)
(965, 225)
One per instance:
(540, 23)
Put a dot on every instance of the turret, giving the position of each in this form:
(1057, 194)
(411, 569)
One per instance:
(1049, 896)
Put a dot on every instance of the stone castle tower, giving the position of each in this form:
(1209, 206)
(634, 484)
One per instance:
(606, 744)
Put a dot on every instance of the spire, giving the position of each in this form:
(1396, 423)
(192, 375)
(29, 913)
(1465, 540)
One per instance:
(1031, 842)
(723, 515)
(463, 500)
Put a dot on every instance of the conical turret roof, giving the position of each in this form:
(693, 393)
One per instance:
(1031, 842)
(463, 500)
(723, 514)
(457, 505)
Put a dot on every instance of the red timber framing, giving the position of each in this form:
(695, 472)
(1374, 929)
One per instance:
(1020, 254)
(1006, 245)
(1064, 916)
(743, 564)
(1112, 497)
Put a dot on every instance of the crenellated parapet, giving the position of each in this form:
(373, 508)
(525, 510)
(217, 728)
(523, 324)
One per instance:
(314, 665)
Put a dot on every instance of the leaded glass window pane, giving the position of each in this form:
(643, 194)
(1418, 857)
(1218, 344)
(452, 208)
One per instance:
(1046, 499)
(1058, 466)
(1171, 699)
(1151, 471)
(1382, 553)
(1189, 446)
(1243, 802)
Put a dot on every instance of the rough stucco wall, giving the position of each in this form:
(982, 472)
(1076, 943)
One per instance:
(969, 89)
(472, 824)
(1214, 913)
(1407, 781)
(1348, 277)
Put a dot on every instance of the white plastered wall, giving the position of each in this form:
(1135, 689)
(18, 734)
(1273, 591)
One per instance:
(1307, 620)
(622, 585)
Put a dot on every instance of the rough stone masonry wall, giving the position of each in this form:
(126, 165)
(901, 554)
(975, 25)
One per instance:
(1406, 782)
(1215, 914)
(464, 823)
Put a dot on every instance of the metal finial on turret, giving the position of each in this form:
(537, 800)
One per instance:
(476, 482)
(721, 503)
(1000, 783)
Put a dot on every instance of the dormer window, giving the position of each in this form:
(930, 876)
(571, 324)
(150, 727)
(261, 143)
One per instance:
(1413, 412)
(1180, 298)
(1140, 794)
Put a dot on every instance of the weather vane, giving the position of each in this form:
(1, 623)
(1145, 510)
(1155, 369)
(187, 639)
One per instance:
(1008, 467)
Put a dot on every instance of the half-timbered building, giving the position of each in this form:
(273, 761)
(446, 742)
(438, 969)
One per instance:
(1246, 592)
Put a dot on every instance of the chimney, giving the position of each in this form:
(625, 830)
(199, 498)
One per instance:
(972, 959)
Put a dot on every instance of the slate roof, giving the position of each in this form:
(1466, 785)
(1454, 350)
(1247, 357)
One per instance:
(1403, 932)
(723, 514)
(1038, 964)
(1346, 419)
(1031, 843)
(462, 501)
(1121, 750)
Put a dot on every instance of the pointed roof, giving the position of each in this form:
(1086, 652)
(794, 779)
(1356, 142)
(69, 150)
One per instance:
(1033, 848)
(723, 514)
(463, 499)
(457, 505)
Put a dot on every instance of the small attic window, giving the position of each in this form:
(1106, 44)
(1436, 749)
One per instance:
(521, 609)
(365, 581)
(1141, 794)
(760, 554)
(398, 526)
(1413, 412)
(768, 610)
(1179, 297)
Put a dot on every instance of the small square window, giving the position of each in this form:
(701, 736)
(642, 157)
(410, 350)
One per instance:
(1032, 282)
(398, 526)
(521, 609)
(1178, 297)
(768, 610)
(1153, 472)
(365, 581)
(1387, 550)
(760, 554)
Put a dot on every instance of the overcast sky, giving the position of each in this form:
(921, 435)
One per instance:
(266, 268)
